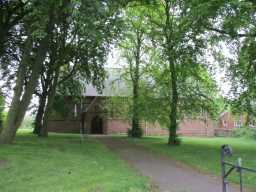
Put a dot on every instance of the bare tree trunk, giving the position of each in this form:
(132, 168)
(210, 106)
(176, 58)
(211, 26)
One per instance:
(40, 112)
(247, 120)
(136, 130)
(249, 112)
(45, 82)
(9, 128)
(50, 100)
(58, 59)
(174, 103)
(172, 140)
(135, 114)
(57, 55)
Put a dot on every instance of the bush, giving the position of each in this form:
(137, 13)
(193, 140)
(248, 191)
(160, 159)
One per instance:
(245, 132)
(135, 133)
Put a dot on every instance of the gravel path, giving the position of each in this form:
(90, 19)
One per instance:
(167, 174)
(2, 163)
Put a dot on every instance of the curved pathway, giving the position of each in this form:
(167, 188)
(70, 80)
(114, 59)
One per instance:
(167, 174)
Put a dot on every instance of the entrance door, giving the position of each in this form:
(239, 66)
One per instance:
(97, 127)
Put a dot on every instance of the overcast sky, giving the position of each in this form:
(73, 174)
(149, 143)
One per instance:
(115, 61)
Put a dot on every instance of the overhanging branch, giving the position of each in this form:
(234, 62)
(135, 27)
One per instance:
(223, 32)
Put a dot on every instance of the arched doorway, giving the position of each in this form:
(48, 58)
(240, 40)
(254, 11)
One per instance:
(97, 125)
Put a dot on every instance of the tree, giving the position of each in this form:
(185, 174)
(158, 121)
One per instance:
(37, 24)
(242, 76)
(92, 27)
(236, 28)
(11, 13)
(198, 95)
(33, 55)
(177, 35)
(176, 81)
(51, 69)
(132, 48)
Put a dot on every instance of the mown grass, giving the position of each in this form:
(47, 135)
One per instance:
(61, 163)
(204, 154)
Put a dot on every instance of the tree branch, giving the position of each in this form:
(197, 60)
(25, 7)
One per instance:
(221, 31)
(72, 72)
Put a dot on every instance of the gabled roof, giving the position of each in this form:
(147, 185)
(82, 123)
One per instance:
(223, 113)
(114, 85)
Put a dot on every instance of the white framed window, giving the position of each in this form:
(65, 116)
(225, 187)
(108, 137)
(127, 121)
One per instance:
(75, 110)
(238, 124)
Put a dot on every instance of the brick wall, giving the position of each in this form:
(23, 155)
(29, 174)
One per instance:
(121, 126)
(117, 126)
(153, 129)
(196, 127)
(227, 121)
(226, 124)
(188, 127)
(64, 126)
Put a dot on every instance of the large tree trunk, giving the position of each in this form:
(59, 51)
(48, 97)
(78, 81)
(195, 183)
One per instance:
(57, 55)
(23, 94)
(173, 105)
(136, 129)
(135, 114)
(40, 112)
(9, 128)
(45, 83)
(50, 100)
(57, 60)
(173, 73)
(249, 111)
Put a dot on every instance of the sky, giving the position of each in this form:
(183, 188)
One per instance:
(115, 61)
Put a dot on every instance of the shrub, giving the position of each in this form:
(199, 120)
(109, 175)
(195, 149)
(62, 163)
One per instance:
(244, 132)
(135, 133)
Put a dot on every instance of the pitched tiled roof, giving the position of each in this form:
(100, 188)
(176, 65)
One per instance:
(114, 85)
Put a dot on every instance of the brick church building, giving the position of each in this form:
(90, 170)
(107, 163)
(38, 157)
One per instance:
(91, 114)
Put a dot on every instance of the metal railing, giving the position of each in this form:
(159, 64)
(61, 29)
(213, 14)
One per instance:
(226, 151)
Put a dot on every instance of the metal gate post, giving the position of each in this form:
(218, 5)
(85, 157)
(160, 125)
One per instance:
(225, 151)
(240, 170)
(223, 170)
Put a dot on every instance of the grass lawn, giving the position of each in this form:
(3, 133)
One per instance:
(204, 153)
(61, 163)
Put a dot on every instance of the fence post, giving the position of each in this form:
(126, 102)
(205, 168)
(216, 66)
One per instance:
(226, 150)
(223, 171)
(239, 164)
